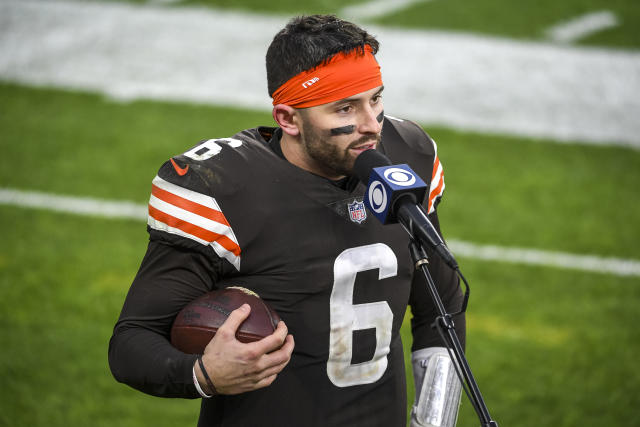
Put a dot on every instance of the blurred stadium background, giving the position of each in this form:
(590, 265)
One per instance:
(534, 108)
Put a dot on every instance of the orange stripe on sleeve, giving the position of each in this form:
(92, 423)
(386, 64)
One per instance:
(194, 230)
(188, 205)
(436, 164)
(436, 192)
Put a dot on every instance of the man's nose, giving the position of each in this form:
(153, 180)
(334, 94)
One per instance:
(369, 121)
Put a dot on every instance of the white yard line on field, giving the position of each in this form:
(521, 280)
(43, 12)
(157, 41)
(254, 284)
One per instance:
(130, 210)
(73, 205)
(617, 266)
(376, 8)
(582, 26)
(469, 82)
(164, 1)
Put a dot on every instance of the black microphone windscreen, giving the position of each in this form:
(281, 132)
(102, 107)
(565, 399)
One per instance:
(366, 161)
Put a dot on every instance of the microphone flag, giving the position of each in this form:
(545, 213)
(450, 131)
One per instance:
(389, 183)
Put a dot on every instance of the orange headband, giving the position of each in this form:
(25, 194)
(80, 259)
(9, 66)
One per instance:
(343, 76)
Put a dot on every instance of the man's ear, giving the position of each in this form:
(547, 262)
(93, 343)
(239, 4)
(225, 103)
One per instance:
(287, 118)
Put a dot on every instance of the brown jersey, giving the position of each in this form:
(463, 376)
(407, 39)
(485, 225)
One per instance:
(339, 279)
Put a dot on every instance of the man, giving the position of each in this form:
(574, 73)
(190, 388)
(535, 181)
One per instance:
(277, 210)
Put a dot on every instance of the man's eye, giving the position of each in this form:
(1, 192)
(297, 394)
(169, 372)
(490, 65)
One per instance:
(344, 109)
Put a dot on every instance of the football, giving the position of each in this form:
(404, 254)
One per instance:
(198, 321)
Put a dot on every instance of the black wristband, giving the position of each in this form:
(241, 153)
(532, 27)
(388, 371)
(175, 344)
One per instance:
(206, 377)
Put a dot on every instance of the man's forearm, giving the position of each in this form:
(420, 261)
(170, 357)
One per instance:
(147, 362)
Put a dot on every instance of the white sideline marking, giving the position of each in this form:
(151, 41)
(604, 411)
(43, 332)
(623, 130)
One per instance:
(73, 205)
(130, 210)
(376, 8)
(214, 56)
(163, 1)
(582, 26)
(616, 266)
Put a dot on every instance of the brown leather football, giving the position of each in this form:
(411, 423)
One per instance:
(199, 320)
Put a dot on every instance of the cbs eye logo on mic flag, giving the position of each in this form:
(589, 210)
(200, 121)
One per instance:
(386, 183)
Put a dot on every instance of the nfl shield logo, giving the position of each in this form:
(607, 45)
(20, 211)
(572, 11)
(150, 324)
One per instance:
(357, 212)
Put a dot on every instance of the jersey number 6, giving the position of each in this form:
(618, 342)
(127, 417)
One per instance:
(345, 317)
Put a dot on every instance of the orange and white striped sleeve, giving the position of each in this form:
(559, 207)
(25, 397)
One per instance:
(437, 182)
(196, 216)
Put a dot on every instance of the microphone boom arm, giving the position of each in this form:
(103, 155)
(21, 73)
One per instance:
(416, 223)
(446, 328)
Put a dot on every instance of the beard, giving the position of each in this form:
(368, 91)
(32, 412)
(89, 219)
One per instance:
(328, 156)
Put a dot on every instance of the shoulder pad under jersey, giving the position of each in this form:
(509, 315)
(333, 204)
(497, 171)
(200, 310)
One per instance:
(188, 190)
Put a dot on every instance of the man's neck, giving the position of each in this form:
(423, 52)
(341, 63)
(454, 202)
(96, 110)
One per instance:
(294, 153)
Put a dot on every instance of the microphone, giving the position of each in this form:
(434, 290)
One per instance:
(393, 195)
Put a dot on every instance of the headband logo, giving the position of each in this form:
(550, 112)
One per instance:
(310, 82)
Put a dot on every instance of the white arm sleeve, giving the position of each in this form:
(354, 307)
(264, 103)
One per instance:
(438, 388)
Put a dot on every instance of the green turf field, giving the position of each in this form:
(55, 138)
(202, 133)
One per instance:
(548, 346)
(526, 19)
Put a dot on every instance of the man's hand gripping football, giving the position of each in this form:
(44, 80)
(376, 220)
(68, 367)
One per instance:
(235, 367)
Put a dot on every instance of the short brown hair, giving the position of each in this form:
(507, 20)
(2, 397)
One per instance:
(308, 41)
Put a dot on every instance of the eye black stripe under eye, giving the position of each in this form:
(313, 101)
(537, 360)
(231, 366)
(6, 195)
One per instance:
(344, 130)
(349, 129)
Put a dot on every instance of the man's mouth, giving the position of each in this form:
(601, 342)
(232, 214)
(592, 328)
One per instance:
(363, 147)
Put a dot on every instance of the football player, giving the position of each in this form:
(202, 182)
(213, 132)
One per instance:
(278, 210)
